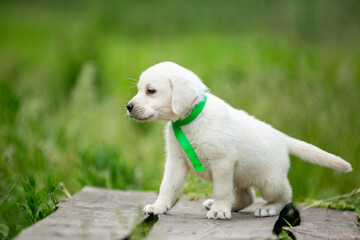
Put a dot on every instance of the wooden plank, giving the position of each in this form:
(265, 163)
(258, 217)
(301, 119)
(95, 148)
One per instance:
(187, 220)
(103, 214)
(93, 213)
(320, 223)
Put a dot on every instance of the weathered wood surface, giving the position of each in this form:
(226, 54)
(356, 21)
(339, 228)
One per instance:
(319, 223)
(93, 213)
(96, 213)
(187, 220)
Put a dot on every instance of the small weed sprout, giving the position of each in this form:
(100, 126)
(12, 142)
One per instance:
(39, 203)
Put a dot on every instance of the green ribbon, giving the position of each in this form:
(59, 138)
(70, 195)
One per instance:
(180, 136)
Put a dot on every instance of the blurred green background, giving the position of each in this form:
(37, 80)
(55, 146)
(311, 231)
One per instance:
(67, 71)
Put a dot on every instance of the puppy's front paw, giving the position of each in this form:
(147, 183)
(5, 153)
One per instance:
(219, 212)
(155, 209)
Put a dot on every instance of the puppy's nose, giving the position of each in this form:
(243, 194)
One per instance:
(130, 107)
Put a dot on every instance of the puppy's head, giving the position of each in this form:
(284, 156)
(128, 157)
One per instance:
(166, 91)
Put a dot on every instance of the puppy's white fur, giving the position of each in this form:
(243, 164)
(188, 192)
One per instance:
(238, 151)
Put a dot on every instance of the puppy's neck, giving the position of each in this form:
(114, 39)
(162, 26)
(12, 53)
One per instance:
(190, 109)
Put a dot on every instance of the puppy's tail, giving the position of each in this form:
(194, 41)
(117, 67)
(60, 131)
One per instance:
(316, 155)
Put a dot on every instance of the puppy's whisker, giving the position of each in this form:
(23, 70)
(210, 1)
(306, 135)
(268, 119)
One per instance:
(132, 79)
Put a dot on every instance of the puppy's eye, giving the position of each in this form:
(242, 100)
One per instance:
(151, 91)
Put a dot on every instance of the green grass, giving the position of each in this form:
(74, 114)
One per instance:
(64, 84)
(349, 201)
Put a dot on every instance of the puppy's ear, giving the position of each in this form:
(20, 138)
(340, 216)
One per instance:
(183, 95)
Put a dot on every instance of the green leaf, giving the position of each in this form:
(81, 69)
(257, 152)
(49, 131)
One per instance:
(51, 183)
(32, 181)
(19, 227)
(33, 208)
(284, 236)
(288, 223)
(8, 195)
(26, 211)
(50, 196)
(44, 213)
(25, 186)
(4, 230)
(22, 207)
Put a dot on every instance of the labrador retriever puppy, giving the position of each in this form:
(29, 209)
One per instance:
(238, 151)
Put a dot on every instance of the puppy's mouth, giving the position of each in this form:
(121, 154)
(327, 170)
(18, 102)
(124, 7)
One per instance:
(145, 119)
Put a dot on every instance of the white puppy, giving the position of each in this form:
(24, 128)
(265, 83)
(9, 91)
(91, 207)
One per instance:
(238, 151)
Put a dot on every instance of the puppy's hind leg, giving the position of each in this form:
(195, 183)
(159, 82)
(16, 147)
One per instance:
(243, 197)
(277, 194)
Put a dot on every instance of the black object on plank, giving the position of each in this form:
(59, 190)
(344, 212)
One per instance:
(288, 217)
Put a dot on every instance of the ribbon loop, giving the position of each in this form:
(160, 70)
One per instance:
(183, 141)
